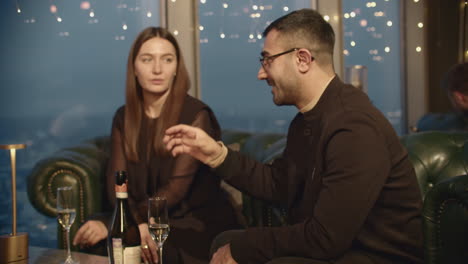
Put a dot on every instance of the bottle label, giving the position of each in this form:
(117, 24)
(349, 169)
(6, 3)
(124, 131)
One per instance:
(121, 195)
(132, 255)
(121, 191)
(127, 255)
(117, 250)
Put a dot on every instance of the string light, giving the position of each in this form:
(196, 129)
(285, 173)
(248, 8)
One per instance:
(387, 49)
(255, 15)
(225, 5)
(389, 23)
(201, 28)
(18, 9)
(285, 9)
(327, 18)
(420, 25)
(352, 43)
(377, 58)
(53, 9)
(418, 49)
(91, 13)
(85, 5)
(149, 14)
(203, 1)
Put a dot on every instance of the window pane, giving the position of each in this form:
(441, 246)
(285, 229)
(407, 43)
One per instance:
(372, 39)
(230, 45)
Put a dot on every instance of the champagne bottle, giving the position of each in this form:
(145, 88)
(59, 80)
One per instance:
(123, 242)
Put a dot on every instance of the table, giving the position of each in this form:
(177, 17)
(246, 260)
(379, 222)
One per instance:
(38, 255)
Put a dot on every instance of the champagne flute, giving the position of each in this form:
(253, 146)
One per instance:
(66, 216)
(158, 222)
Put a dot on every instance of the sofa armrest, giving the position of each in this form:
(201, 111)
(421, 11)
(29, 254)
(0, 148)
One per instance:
(445, 221)
(82, 167)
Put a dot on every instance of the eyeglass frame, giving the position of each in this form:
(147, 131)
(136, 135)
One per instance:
(267, 60)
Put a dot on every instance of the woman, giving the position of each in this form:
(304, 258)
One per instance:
(156, 98)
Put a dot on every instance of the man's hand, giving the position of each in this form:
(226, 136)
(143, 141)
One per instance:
(184, 139)
(223, 256)
(149, 249)
(90, 233)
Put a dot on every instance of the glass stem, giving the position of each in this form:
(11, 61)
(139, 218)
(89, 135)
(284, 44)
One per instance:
(160, 255)
(68, 244)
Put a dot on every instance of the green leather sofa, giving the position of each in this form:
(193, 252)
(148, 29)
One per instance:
(440, 160)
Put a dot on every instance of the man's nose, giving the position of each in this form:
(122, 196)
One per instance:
(261, 75)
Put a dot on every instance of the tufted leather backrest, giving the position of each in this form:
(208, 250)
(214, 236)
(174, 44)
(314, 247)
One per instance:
(437, 156)
(440, 161)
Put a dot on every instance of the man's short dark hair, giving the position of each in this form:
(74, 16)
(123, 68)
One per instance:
(456, 78)
(305, 27)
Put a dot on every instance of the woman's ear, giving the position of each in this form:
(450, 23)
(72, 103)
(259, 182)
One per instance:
(304, 59)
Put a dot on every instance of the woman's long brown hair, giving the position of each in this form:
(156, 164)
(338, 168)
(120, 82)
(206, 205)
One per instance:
(134, 110)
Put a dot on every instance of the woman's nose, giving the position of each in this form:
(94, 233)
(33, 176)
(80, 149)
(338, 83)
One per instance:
(156, 67)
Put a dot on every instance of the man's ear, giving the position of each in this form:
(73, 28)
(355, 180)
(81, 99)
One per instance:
(304, 59)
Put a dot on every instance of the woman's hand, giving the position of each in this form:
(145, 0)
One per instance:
(149, 249)
(223, 256)
(90, 233)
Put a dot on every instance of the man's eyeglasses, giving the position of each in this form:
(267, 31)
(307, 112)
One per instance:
(266, 60)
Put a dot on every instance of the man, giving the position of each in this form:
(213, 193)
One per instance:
(455, 83)
(351, 193)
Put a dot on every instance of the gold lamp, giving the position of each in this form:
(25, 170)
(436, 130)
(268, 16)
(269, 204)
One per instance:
(14, 246)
